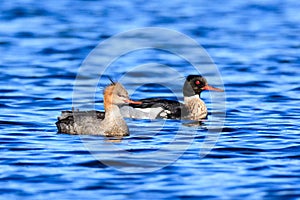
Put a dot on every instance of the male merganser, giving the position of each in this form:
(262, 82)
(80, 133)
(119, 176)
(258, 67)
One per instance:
(193, 108)
(97, 123)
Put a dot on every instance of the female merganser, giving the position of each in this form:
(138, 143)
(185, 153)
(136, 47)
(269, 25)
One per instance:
(97, 123)
(193, 108)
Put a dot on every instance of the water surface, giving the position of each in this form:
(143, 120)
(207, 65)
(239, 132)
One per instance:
(256, 47)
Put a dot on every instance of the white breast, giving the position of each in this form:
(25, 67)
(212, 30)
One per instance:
(196, 107)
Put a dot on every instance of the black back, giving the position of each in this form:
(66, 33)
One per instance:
(171, 109)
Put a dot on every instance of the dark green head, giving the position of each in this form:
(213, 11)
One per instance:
(195, 84)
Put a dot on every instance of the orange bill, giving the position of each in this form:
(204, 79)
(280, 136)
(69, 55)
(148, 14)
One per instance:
(133, 102)
(208, 87)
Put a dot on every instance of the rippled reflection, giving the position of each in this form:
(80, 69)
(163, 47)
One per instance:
(256, 47)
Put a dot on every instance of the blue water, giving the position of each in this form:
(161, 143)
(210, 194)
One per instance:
(256, 46)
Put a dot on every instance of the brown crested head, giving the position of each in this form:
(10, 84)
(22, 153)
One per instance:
(116, 94)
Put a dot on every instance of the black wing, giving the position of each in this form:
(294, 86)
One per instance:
(171, 109)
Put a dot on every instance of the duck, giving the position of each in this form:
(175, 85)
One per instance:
(108, 123)
(193, 108)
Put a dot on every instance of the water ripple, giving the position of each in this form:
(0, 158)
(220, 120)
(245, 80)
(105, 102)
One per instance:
(42, 46)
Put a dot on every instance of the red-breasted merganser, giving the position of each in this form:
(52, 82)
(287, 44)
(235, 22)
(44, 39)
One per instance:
(97, 123)
(193, 108)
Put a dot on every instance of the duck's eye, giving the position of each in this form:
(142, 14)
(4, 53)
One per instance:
(197, 82)
(120, 95)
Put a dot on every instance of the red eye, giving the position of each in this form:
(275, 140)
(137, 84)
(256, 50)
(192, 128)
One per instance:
(197, 82)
